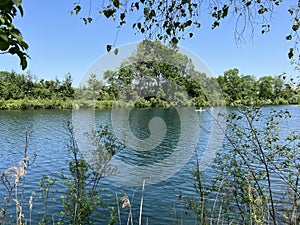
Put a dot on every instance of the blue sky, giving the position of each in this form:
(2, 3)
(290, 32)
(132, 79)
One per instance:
(60, 43)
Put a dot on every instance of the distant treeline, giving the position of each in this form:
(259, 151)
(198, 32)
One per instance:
(155, 75)
(24, 91)
(266, 90)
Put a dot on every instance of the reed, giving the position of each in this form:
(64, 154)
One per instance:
(13, 179)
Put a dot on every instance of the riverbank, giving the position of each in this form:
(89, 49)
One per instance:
(40, 104)
(27, 104)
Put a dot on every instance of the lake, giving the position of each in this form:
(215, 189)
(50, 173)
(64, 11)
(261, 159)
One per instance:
(48, 138)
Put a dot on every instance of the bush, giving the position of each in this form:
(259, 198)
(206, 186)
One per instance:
(142, 103)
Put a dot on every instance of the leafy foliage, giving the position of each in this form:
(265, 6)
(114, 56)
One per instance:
(258, 153)
(83, 195)
(172, 21)
(256, 175)
(11, 39)
(157, 71)
(20, 86)
(148, 72)
(247, 90)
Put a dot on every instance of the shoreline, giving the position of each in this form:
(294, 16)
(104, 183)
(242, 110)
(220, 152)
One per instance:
(60, 104)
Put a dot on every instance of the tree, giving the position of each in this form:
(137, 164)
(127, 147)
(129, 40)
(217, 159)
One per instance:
(173, 21)
(66, 88)
(259, 156)
(238, 89)
(250, 88)
(11, 39)
(266, 88)
(233, 85)
(157, 71)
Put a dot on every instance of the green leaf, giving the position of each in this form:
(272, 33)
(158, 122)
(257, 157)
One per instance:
(139, 25)
(188, 23)
(3, 45)
(23, 62)
(289, 37)
(108, 12)
(248, 3)
(146, 11)
(21, 10)
(291, 53)
(216, 24)
(116, 51)
(17, 2)
(3, 36)
(17, 36)
(225, 11)
(152, 13)
(77, 9)
(24, 45)
(262, 9)
(122, 16)
(116, 3)
(295, 27)
(174, 41)
(108, 48)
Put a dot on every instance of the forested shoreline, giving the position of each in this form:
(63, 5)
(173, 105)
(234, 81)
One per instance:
(25, 91)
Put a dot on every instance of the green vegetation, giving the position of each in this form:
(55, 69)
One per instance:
(256, 174)
(11, 39)
(147, 84)
(244, 190)
(159, 76)
(266, 90)
(154, 75)
(19, 91)
(83, 195)
(180, 18)
(174, 21)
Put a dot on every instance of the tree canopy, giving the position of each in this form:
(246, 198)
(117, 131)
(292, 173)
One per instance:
(156, 75)
(156, 72)
(20, 86)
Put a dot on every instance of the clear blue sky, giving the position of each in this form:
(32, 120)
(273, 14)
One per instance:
(61, 43)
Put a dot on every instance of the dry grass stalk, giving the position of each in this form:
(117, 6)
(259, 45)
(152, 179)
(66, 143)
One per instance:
(1, 216)
(10, 178)
(141, 206)
(30, 206)
(119, 213)
(19, 212)
(126, 203)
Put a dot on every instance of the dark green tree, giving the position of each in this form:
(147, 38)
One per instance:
(155, 70)
(266, 88)
(66, 89)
